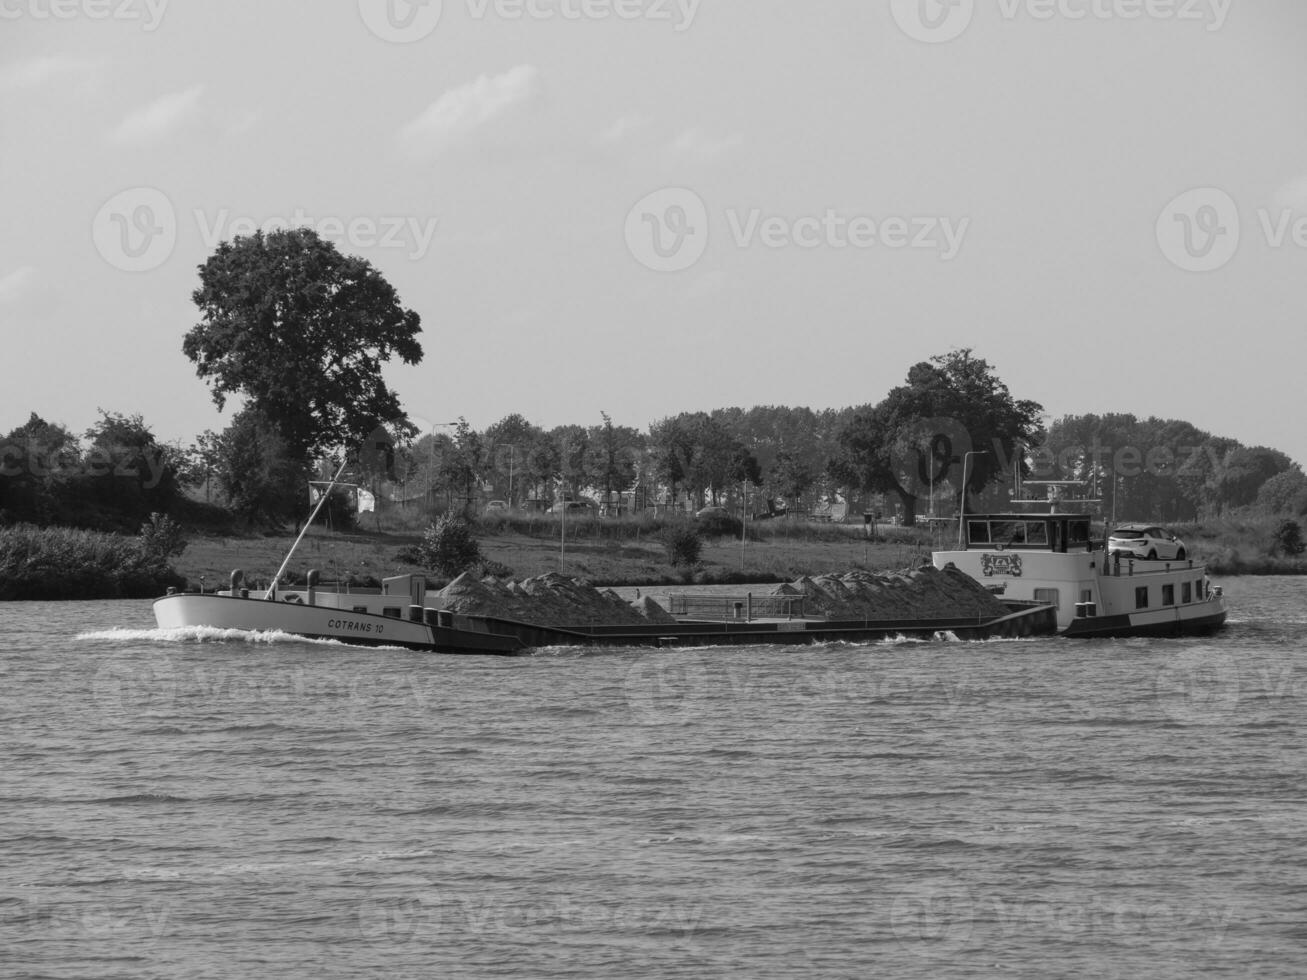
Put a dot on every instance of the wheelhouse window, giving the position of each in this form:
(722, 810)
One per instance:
(1141, 597)
(1077, 534)
(1037, 533)
(978, 532)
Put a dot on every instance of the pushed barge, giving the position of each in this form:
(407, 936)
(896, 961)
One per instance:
(400, 617)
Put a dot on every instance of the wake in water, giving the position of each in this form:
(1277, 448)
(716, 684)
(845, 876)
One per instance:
(201, 634)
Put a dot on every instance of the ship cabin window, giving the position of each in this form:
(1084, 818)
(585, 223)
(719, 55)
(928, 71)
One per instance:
(360, 609)
(1077, 534)
(1186, 592)
(1168, 595)
(391, 611)
(1049, 597)
(1007, 533)
(1141, 597)
(1198, 589)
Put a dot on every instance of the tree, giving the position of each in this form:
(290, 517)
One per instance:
(1287, 539)
(256, 471)
(448, 546)
(131, 474)
(614, 451)
(923, 431)
(1284, 493)
(302, 332)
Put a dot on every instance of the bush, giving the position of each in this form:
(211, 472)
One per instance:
(1287, 539)
(448, 547)
(161, 538)
(684, 545)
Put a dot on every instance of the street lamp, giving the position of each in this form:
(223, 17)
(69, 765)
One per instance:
(962, 509)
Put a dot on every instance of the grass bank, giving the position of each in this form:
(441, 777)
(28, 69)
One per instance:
(607, 552)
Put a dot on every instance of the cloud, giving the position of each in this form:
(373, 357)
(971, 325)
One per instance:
(17, 284)
(37, 71)
(697, 145)
(462, 111)
(151, 121)
(622, 130)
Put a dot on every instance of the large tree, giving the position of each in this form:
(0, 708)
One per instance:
(302, 331)
(951, 408)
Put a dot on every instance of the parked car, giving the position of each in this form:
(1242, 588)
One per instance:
(1146, 541)
(496, 507)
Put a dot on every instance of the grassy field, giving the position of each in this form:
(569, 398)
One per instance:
(626, 552)
(603, 552)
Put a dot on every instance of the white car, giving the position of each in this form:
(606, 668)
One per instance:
(1147, 541)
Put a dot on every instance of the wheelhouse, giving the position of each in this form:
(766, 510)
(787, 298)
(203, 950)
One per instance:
(1057, 533)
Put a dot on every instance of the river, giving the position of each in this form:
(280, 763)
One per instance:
(201, 805)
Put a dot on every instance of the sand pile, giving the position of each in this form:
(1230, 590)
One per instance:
(547, 600)
(926, 593)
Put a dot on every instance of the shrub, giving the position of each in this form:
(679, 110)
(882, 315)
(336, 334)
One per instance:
(448, 546)
(1287, 539)
(160, 538)
(684, 546)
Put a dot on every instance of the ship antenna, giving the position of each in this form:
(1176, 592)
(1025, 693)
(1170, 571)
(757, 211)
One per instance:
(321, 500)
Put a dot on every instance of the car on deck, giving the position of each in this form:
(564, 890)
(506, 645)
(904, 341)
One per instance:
(1147, 541)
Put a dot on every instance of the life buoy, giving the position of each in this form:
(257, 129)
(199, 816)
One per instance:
(292, 597)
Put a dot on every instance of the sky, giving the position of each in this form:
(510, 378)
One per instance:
(647, 207)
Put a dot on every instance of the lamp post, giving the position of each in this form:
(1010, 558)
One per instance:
(962, 509)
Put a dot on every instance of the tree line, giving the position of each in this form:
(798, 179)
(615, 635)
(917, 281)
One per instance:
(300, 334)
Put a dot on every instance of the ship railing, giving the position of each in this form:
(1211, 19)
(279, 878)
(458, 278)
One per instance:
(743, 607)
